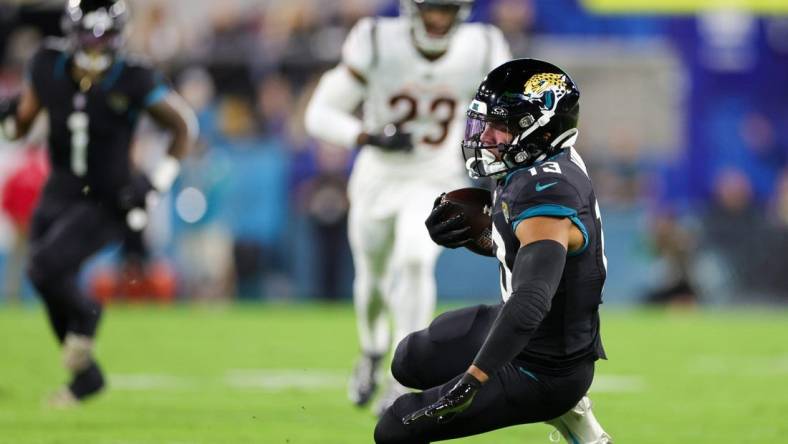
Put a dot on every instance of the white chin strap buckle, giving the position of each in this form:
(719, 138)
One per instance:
(92, 63)
(487, 166)
(471, 165)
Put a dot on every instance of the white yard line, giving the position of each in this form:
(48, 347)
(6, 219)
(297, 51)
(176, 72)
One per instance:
(276, 380)
(149, 381)
(272, 380)
(286, 379)
(740, 365)
(617, 384)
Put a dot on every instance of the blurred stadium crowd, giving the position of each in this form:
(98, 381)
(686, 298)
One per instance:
(684, 127)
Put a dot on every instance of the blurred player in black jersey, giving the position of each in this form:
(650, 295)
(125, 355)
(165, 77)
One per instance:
(531, 358)
(93, 95)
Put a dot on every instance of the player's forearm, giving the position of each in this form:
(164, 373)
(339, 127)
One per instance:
(331, 126)
(329, 116)
(535, 278)
(175, 115)
(18, 113)
(183, 140)
(182, 122)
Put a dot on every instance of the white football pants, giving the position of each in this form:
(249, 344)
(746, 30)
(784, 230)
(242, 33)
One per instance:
(394, 261)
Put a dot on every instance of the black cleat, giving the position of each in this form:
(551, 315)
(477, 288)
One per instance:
(363, 382)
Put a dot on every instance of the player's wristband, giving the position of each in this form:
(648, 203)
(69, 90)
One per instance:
(471, 380)
(390, 139)
(165, 174)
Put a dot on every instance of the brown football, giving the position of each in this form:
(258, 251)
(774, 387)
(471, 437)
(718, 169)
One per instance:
(476, 205)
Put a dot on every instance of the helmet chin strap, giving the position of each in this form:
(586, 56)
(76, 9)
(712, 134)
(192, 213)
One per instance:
(542, 121)
(487, 166)
(565, 139)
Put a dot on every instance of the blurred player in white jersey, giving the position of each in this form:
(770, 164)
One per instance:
(415, 75)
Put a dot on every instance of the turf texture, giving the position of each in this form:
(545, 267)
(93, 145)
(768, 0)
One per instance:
(276, 374)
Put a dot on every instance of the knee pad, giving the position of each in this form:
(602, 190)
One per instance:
(400, 364)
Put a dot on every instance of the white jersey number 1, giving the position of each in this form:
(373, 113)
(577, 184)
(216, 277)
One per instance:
(78, 123)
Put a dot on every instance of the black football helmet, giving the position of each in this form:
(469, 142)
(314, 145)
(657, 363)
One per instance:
(96, 31)
(535, 102)
(434, 44)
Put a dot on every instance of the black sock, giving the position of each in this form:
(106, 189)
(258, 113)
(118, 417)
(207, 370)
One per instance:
(87, 382)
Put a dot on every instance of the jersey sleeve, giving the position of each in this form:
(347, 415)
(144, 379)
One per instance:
(329, 114)
(41, 69)
(150, 86)
(499, 48)
(358, 51)
(543, 195)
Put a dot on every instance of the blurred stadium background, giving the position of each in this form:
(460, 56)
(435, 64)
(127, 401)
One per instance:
(685, 130)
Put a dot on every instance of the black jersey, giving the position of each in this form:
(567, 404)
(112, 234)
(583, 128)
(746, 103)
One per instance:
(90, 131)
(559, 187)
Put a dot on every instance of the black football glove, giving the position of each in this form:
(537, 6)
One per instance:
(455, 401)
(391, 139)
(451, 232)
(135, 193)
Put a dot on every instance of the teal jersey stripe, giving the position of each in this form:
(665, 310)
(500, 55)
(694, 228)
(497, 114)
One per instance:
(531, 375)
(156, 95)
(555, 210)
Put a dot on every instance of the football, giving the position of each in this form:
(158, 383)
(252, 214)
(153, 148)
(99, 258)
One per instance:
(476, 205)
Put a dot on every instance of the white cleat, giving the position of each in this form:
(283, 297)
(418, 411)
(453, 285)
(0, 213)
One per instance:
(63, 399)
(364, 380)
(579, 426)
(393, 391)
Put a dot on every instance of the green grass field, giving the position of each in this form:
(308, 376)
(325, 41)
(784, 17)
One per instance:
(276, 374)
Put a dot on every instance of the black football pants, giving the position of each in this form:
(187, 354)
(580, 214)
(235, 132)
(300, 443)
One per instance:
(433, 360)
(64, 233)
